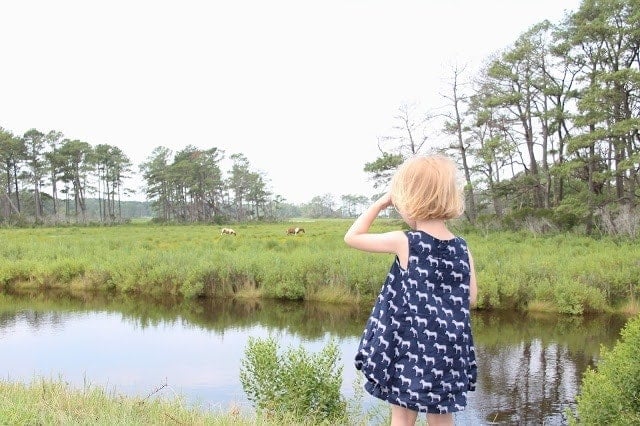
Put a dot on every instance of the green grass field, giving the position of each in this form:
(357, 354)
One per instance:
(564, 273)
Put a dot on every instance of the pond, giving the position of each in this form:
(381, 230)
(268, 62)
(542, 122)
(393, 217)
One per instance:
(530, 365)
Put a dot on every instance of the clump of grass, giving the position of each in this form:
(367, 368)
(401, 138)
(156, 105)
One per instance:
(539, 306)
(630, 308)
(55, 402)
(332, 294)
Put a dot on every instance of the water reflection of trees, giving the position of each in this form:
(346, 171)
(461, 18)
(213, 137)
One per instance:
(530, 366)
(34, 319)
(308, 320)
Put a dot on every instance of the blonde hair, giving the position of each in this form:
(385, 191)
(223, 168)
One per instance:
(426, 187)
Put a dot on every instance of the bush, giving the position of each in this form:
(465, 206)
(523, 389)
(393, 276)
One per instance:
(573, 298)
(296, 383)
(610, 394)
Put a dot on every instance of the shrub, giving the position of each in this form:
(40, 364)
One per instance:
(64, 271)
(295, 383)
(610, 394)
(575, 299)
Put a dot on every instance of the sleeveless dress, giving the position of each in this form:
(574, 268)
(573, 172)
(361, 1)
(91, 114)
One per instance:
(417, 350)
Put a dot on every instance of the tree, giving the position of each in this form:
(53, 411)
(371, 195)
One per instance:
(155, 173)
(382, 168)
(76, 157)
(320, 206)
(257, 193)
(557, 82)
(12, 151)
(352, 204)
(203, 180)
(239, 182)
(111, 166)
(514, 92)
(55, 163)
(409, 136)
(454, 125)
(409, 133)
(34, 142)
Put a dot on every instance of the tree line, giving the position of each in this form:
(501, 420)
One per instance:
(548, 129)
(44, 175)
(47, 178)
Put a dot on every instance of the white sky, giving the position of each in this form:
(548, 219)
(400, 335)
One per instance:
(302, 88)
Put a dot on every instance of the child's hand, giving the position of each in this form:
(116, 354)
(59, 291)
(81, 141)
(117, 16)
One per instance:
(384, 201)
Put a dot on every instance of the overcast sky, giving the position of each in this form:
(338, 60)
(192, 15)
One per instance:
(303, 88)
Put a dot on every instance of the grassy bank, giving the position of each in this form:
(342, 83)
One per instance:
(566, 273)
(45, 402)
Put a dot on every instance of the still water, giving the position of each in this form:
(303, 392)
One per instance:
(529, 365)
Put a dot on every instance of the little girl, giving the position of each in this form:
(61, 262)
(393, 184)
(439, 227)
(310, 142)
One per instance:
(417, 350)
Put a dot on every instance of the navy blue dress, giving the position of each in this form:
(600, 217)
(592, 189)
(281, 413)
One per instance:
(417, 349)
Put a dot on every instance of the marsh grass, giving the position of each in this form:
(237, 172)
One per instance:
(565, 273)
(562, 273)
(54, 402)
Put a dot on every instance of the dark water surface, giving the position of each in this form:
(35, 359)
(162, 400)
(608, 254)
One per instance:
(529, 365)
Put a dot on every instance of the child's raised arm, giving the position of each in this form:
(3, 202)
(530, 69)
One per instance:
(358, 235)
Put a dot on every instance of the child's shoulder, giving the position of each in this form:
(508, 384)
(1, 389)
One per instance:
(419, 235)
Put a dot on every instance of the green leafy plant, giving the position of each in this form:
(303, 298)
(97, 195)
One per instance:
(610, 394)
(294, 382)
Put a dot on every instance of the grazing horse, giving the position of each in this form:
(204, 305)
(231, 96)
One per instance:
(295, 231)
(228, 231)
